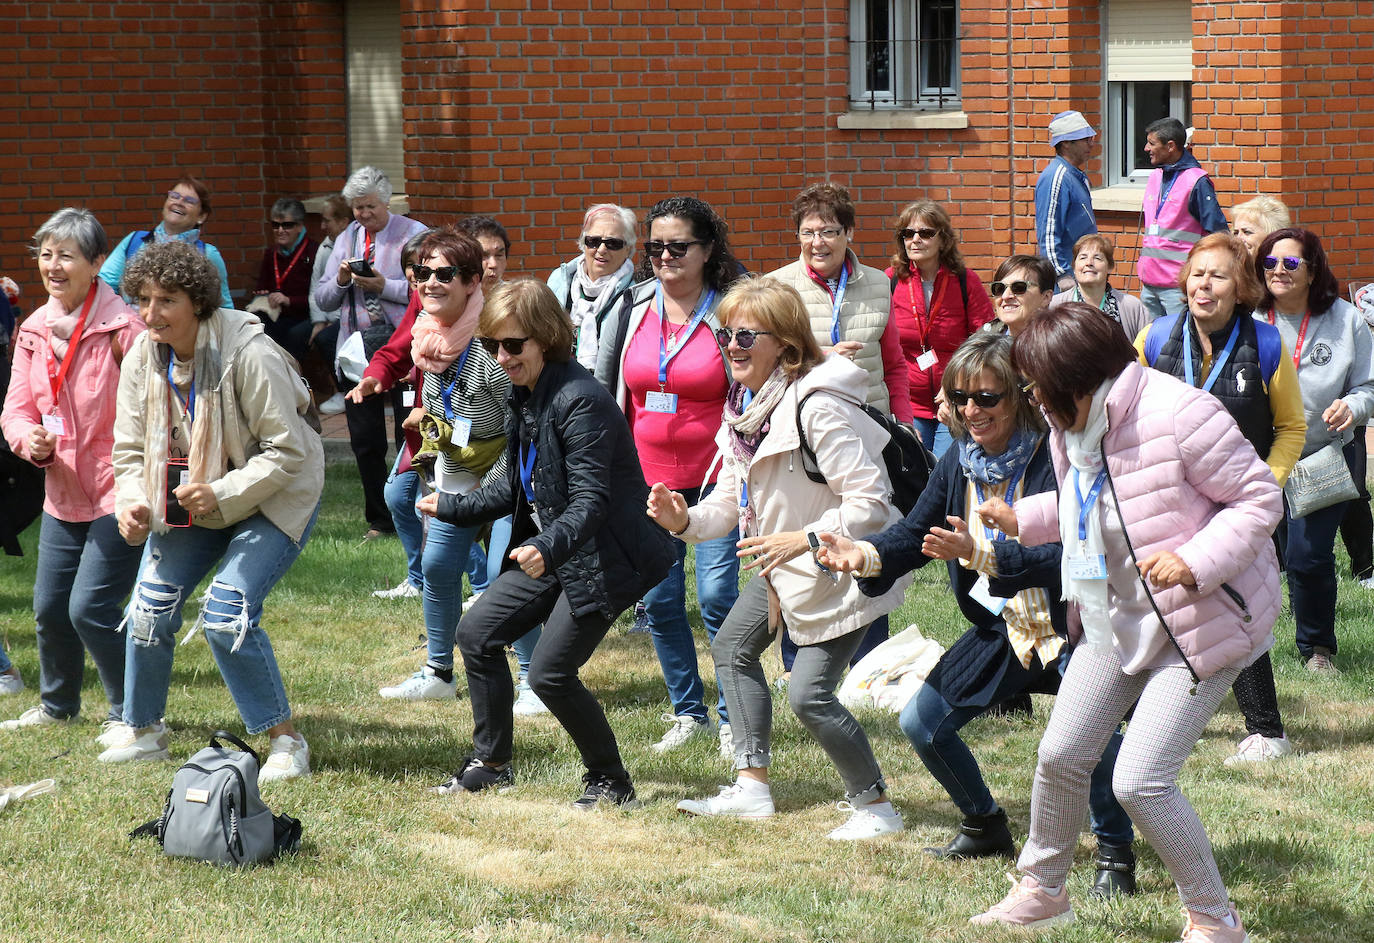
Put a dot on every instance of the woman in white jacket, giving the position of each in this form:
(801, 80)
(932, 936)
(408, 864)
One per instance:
(782, 389)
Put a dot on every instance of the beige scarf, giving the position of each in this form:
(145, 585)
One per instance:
(434, 345)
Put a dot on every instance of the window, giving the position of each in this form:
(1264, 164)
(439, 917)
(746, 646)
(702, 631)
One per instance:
(904, 54)
(1149, 52)
(373, 40)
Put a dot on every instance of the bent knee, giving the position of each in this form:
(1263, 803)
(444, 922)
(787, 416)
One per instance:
(225, 609)
(153, 606)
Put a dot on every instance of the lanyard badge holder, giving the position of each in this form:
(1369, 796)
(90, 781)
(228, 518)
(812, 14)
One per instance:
(661, 401)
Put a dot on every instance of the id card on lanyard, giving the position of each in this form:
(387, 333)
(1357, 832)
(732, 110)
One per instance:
(528, 451)
(927, 358)
(1220, 362)
(837, 302)
(57, 376)
(462, 426)
(662, 401)
(1092, 566)
(981, 592)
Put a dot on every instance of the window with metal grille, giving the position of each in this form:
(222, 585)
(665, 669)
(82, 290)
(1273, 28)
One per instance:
(904, 54)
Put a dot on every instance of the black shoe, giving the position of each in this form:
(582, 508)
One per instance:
(602, 788)
(641, 620)
(980, 836)
(1021, 705)
(1115, 871)
(473, 776)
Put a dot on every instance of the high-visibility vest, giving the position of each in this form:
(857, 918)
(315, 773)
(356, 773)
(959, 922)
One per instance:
(1170, 230)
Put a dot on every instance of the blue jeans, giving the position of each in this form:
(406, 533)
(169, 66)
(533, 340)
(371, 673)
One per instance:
(934, 435)
(1162, 300)
(252, 556)
(497, 545)
(477, 569)
(5, 663)
(1311, 565)
(85, 571)
(401, 491)
(717, 575)
(446, 549)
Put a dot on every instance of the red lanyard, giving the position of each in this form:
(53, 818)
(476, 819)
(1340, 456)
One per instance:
(924, 327)
(367, 244)
(1302, 335)
(276, 263)
(58, 377)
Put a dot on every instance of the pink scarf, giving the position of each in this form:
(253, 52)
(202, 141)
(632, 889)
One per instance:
(434, 345)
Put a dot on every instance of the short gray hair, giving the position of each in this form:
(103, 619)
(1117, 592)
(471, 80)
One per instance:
(367, 180)
(78, 225)
(289, 207)
(624, 216)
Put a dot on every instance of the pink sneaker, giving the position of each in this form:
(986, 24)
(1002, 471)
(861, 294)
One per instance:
(1204, 929)
(1028, 906)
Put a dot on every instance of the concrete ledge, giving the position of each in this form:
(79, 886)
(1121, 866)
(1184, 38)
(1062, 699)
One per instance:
(1120, 199)
(877, 120)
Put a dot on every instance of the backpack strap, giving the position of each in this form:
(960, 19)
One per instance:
(136, 242)
(1158, 334)
(1270, 345)
(219, 735)
(808, 454)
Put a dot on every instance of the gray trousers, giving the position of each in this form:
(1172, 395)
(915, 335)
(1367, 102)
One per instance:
(737, 648)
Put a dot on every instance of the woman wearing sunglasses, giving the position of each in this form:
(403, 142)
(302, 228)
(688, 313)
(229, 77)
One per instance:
(1011, 594)
(1216, 345)
(781, 387)
(582, 548)
(936, 303)
(184, 212)
(284, 277)
(589, 285)
(1094, 257)
(671, 377)
(1332, 351)
(1021, 291)
(1165, 513)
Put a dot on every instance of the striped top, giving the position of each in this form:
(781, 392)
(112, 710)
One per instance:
(478, 395)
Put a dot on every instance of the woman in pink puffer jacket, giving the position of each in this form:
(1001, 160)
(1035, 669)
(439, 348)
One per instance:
(1165, 512)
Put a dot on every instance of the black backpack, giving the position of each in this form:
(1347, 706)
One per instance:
(907, 462)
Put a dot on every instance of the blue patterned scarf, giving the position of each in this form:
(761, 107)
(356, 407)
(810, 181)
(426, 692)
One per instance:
(994, 469)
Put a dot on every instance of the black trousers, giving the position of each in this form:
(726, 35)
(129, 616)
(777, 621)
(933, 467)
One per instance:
(1357, 527)
(509, 608)
(367, 435)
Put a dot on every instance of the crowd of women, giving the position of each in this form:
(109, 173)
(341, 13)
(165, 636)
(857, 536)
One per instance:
(1106, 492)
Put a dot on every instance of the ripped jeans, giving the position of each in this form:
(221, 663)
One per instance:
(252, 556)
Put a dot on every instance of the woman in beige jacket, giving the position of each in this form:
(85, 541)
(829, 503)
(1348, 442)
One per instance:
(782, 390)
(216, 468)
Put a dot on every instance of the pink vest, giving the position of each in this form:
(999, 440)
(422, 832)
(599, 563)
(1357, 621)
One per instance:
(1170, 230)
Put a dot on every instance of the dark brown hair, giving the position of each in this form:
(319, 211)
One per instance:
(198, 185)
(457, 247)
(1323, 291)
(1067, 352)
(826, 200)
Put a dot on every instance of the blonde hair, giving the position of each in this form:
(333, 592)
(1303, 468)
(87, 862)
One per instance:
(780, 310)
(1269, 211)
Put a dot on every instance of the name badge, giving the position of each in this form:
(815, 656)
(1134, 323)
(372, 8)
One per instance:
(54, 424)
(408, 399)
(660, 402)
(1154, 229)
(927, 360)
(1088, 568)
(534, 515)
(981, 593)
(462, 431)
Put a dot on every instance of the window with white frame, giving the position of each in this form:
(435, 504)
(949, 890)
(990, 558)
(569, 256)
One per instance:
(904, 54)
(1149, 74)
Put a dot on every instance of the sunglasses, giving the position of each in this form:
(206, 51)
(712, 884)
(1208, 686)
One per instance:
(1290, 262)
(1017, 288)
(1028, 391)
(925, 232)
(676, 249)
(610, 242)
(176, 197)
(511, 345)
(981, 398)
(445, 273)
(278, 224)
(742, 336)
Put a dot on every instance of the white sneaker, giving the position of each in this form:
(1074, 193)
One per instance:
(528, 703)
(332, 406)
(732, 801)
(727, 743)
(1257, 748)
(10, 682)
(683, 729)
(33, 717)
(470, 602)
(1367, 582)
(868, 821)
(402, 590)
(288, 758)
(111, 732)
(423, 685)
(144, 743)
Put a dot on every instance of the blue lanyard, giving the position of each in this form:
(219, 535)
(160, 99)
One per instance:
(188, 404)
(744, 473)
(527, 470)
(447, 393)
(835, 308)
(664, 358)
(1166, 188)
(1216, 364)
(1085, 504)
(989, 532)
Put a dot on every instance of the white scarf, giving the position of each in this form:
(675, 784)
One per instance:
(1085, 456)
(589, 296)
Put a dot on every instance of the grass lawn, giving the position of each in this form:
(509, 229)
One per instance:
(384, 860)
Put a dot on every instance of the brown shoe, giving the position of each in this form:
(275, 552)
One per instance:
(1321, 663)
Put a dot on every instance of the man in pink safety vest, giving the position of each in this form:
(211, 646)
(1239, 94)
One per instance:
(1180, 208)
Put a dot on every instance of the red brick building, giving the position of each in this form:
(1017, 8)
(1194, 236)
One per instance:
(532, 109)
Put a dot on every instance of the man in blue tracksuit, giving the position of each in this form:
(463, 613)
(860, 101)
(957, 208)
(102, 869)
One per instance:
(1063, 196)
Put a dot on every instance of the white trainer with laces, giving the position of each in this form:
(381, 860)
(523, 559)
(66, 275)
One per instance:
(867, 821)
(10, 682)
(288, 758)
(112, 732)
(732, 801)
(683, 729)
(1257, 748)
(332, 406)
(137, 745)
(471, 601)
(402, 590)
(423, 685)
(33, 717)
(527, 703)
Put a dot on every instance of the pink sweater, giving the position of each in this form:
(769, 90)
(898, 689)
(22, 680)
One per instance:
(1190, 483)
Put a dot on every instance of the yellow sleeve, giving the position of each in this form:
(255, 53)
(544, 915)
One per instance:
(1140, 346)
(983, 560)
(1290, 424)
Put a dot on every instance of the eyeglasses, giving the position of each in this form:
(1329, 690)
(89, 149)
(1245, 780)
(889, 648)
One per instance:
(827, 235)
(511, 345)
(676, 249)
(445, 273)
(925, 232)
(1017, 287)
(1028, 390)
(742, 336)
(278, 224)
(1290, 262)
(610, 242)
(981, 398)
(176, 197)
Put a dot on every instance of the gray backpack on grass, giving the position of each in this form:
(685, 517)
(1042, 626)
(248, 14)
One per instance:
(214, 812)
